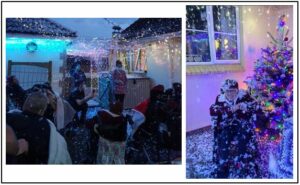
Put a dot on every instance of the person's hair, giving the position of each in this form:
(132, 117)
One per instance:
(10, 79)
(118, 62)
(47, 86)
(76, 62)
(156, 91)
(35, 103)
(41, 87)
(177, 87)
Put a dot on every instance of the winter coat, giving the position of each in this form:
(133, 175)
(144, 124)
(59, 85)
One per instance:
(235, 146)
(34, 129)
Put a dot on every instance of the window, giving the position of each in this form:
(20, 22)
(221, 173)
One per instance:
(212, 35)
(140, 61)
(135, 60)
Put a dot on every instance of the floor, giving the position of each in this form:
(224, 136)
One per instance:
(199, 154)
(82, 145)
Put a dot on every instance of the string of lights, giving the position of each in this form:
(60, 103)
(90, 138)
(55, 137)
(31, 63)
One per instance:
(113, 24)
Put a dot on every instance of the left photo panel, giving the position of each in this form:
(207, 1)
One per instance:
(93, 90)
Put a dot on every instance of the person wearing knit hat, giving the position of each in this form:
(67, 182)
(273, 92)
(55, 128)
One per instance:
(231, 89)
(147, 135)
(233, 120)
(155, 92)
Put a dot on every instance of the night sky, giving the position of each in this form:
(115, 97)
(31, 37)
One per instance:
(89, 28)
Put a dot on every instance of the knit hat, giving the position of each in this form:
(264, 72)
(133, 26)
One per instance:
(155, 91)
(229, 84)
(159, 89)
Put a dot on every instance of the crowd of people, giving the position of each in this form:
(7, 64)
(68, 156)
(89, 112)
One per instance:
(44, 128)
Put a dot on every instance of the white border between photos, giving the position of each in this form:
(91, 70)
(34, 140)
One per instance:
(118, 173)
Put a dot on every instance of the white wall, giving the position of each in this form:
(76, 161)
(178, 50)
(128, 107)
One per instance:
(203, 89)
(47, 51)
(164, 62)
(176, 69)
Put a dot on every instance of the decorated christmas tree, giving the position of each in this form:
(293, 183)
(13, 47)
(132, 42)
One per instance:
(271, 84)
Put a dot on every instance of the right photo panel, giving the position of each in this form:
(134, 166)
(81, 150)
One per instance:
(239, 64)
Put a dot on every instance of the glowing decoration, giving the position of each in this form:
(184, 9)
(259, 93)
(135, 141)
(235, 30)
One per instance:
(283, 160)
(217, 44)
(31, 47)
(38, 41)
(34, 44)
(282, 21)
(269, 107)
(226, 43)
(271, 82)
(227, 13)
(224, 27)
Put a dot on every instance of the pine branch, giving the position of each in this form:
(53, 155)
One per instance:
(274, 40)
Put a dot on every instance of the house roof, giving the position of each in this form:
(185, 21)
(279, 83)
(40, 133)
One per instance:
(148, 27)
(37, 26)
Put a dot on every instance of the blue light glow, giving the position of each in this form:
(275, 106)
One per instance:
(15, 40)
(48, 44)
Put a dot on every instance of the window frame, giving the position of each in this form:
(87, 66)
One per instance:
(211, 39)
(132, 55)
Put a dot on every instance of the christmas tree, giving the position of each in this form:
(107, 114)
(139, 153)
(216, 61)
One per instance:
(272, 82)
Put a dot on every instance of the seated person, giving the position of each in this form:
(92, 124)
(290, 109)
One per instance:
(77, 74)
(58, 110)
(47, 90)
(154, 94)
(15, 92)
(14, 146)
(46, 145)
(32, 126)
(153, 109)
(78, 100)
(112, 131)
(147, 140)
(174, 117)
(177, 91)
